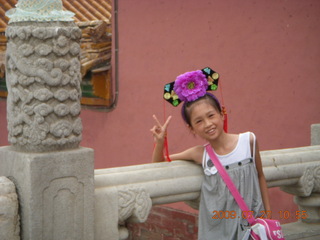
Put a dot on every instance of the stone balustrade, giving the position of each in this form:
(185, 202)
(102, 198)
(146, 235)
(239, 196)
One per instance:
(126, 194)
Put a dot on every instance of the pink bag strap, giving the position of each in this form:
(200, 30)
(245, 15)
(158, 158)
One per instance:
(234, 191)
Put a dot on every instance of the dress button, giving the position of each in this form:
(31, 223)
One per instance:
(239, 163)
(227, 167)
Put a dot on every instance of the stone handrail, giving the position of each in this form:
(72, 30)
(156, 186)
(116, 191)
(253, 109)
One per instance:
(126, 194)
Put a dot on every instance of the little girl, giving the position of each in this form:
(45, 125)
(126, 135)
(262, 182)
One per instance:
(219, 215)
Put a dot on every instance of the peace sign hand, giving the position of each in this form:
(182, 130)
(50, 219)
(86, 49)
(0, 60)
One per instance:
(160, 131)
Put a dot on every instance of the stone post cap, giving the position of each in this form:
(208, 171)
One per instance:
(39, 11)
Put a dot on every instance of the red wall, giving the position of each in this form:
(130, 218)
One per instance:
(165, 223)
(267, 54)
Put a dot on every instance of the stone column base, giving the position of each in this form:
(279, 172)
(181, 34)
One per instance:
(55, 191)
(311, 206)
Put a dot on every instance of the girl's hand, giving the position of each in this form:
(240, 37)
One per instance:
(160, 131)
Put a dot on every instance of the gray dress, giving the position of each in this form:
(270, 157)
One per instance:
(220, 217)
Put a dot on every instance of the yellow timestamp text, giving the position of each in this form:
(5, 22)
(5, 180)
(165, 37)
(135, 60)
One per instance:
(262, 214)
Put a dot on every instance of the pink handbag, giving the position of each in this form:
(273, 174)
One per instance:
(261, 229)
(270, 230)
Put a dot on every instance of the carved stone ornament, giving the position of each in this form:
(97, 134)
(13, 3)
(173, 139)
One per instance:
(43, 79)
(39, 10)
(308, 183)
(134, 204)
(316, 173)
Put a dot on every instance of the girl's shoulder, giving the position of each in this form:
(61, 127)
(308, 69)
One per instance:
(250, 135)
(244, 137)
(252, 141)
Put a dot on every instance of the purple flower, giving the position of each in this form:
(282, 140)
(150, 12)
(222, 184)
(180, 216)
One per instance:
(191, 86)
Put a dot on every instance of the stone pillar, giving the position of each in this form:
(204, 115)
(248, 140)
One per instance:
(43, 79)
(52, 174)
(315, 134)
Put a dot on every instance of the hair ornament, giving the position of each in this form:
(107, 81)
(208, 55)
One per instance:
(190, 86)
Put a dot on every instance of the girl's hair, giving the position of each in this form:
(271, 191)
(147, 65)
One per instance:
(210, 98)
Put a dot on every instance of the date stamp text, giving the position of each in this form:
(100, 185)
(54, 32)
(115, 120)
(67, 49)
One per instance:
(262, 214)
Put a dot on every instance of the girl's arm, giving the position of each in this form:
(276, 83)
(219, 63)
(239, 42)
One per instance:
(192, 154)
(157, 155)
(159, 134)
(262, 180)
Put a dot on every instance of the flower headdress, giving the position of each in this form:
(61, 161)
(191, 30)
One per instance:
(190, 86)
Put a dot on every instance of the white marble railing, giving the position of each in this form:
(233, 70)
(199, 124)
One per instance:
(127, 194)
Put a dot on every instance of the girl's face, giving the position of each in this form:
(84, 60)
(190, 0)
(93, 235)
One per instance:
(206, 121)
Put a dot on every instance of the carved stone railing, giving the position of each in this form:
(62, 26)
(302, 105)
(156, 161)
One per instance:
(126, 194)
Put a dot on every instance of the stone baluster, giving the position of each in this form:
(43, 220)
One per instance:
(52, 174)
(307, 196)
(307, 189)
